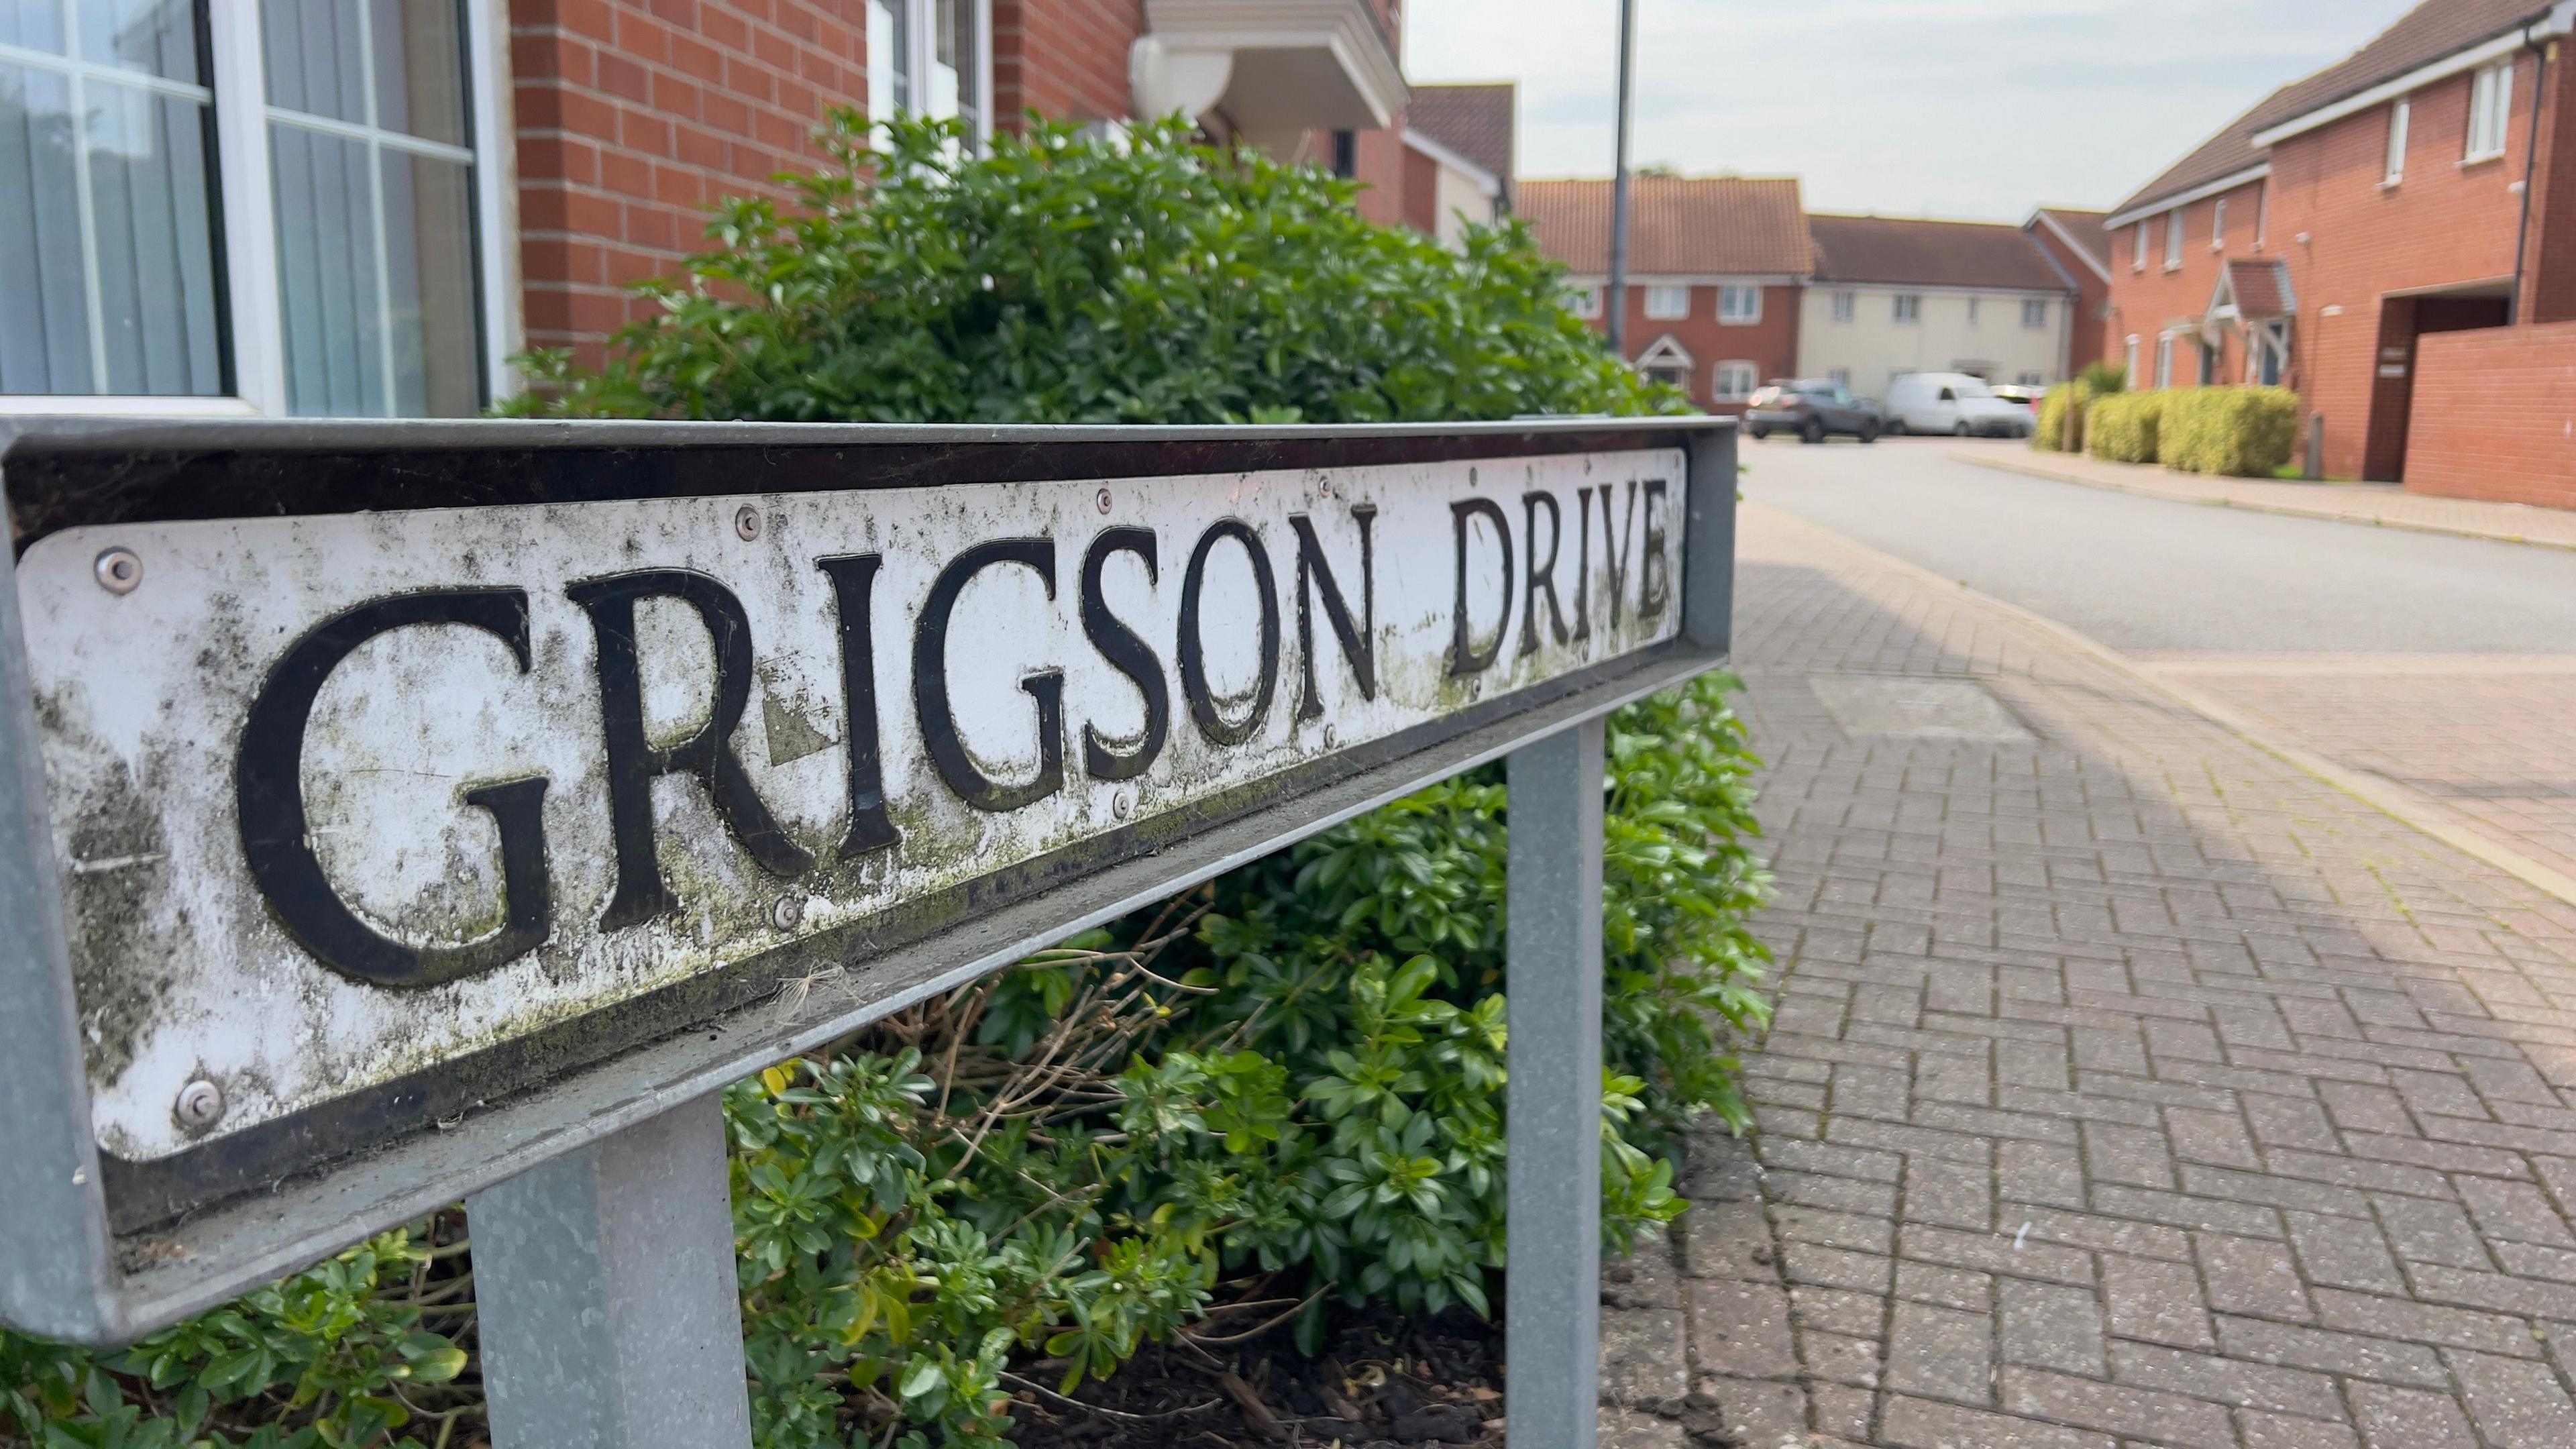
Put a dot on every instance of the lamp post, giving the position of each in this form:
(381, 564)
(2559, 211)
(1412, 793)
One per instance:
(1617, 300)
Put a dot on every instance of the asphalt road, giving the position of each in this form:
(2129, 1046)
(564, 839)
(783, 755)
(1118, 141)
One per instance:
(2148, 575)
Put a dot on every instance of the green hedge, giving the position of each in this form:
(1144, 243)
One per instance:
(2247, 432)
(1274, 1094)
(2050, 433)
(2126, 427)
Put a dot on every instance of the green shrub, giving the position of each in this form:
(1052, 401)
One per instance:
(2244, 432)
(2049, 434)
(1276, 1093)
(2126, 427)
(2102, 378)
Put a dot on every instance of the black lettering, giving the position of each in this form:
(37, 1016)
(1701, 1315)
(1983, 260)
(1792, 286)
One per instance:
(269, 800)
(1126, 653)
(1464, 656)
(1583, 565)
(1541, 575)
(1193, 651)
(1359, 645)
(1614, 555)
(635, 762)
(930, 682)
(854, 578)
(1654, 582)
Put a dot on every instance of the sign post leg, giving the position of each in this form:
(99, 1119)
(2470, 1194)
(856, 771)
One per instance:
(1552, 1322)
(604, 1282)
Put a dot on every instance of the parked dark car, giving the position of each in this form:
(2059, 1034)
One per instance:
(1814, 409)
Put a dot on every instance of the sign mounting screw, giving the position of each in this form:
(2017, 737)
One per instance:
(787, 911)
(746, 522)
(199, 1106)
(1104, 500)
(120, 570)
(1120, 806)
(1330, 737)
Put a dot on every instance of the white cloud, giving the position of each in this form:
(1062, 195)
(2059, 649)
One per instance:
(1960, 108)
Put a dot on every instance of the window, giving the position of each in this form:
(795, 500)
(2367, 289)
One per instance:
(1736, 381)
(2173, 238)
(1841, 377)
(927, 56)
(301, 233)
(1739, 305)
(2164, 360)
(1668, 375)
(2034, 312)
(2398, 117)
(2030, 379)
(2129, 360)
(1842, 306)
(2138, 250)
(2272, 353)
(1585, 301)
(1972, 310)
(2490, 107)
(1908, 307)
(1666, 304)
(2218, 224)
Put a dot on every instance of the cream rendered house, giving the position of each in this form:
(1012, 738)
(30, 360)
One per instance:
(1892, 296)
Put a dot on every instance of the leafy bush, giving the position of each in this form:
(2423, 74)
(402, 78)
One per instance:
(2049, 434)
(2246, 432)
(2124, 427)
(1276, 1093)
(2103, 378)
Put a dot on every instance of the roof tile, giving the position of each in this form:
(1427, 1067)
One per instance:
(1475, 121)
(1931, 253)
(1679, 226)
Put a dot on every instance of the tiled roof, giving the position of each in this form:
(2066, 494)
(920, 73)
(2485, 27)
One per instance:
(2086, 229)
(2261, 286)
(1931, 253)
(2423, 35)
(1679, 226)
(1477, 122)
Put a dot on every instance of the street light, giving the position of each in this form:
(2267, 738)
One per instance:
(1618, 290)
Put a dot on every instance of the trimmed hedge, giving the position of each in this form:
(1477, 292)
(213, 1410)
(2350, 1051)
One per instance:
(2126, 427)
(2050, 433)
(2245, 432)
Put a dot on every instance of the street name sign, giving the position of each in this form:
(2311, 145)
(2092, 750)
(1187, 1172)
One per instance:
(386, 810)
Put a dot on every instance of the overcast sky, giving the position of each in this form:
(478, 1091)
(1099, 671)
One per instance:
(1977, 109)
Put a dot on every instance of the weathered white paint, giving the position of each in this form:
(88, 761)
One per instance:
(182, 973)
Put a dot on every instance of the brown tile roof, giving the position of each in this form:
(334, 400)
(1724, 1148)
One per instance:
(1931, 253)
(2261, 287)
(1679, 226)
(2423, 35)
(2086, 228)
(1477, 122)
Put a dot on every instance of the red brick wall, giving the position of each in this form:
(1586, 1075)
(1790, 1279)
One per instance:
(2084, 333)
(2491, 415)
(633, 114)
(2145, 301)
(1771, 344)
(1064, 58)
(2444, 225)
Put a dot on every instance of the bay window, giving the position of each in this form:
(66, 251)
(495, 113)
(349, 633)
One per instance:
(279, 206)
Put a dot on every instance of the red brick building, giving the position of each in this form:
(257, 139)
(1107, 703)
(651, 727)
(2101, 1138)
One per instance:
(1715, 270)
(338, 207)
(2423, 186)
(2081, 247)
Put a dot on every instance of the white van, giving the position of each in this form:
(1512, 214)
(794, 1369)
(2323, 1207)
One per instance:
(1955, 403)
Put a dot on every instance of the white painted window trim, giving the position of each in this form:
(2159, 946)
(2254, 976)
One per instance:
(1905, 309)
(1752, 373)
(2401, 113)
(2130, 364)
(2218, 225)
(2164, 359)
(2492, 85)
(2027, 304)
(2173, 237)
(1742, 319)
(1584, 302)
(1664, 289)
(2138, 249)
(921, 47)
(1843, 306)
(255, 334)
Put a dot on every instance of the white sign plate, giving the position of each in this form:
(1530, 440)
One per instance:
(339, 798)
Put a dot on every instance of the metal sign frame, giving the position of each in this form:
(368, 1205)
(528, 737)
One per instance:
(546, 1167)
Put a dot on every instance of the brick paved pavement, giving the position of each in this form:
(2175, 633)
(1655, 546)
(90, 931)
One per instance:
(2128, 1086)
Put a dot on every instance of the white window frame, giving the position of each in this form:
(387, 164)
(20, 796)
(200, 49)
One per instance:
(2034, 313)
(1843, 306)
(1973, 308)
(2129, 364)
(2164, 359)
(2138, 249)
(1666, 302)
(921, 44)
(1738, 316)
(1584, 302)
(2401, 114)
(246, 222)
(1839, 377)
(2218, 225)
(2490, 111)
(2173, 237)
(1905, 309)
(1747, 370)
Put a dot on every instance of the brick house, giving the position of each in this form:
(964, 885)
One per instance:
(2080, 245)
(344, 207)
(2394, 236)
(1893, 295)
(1715, 269)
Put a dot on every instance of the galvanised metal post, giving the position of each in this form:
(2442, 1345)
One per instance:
(604, 1281)
(1553, 1148)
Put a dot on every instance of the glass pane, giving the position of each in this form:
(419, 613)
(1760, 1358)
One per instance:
(34, 24)
(157, 37)
(315, 61)
(44, 312)
(332, 311)
(420, 68)
(956, 70)
(429, 278)
(156, 268)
